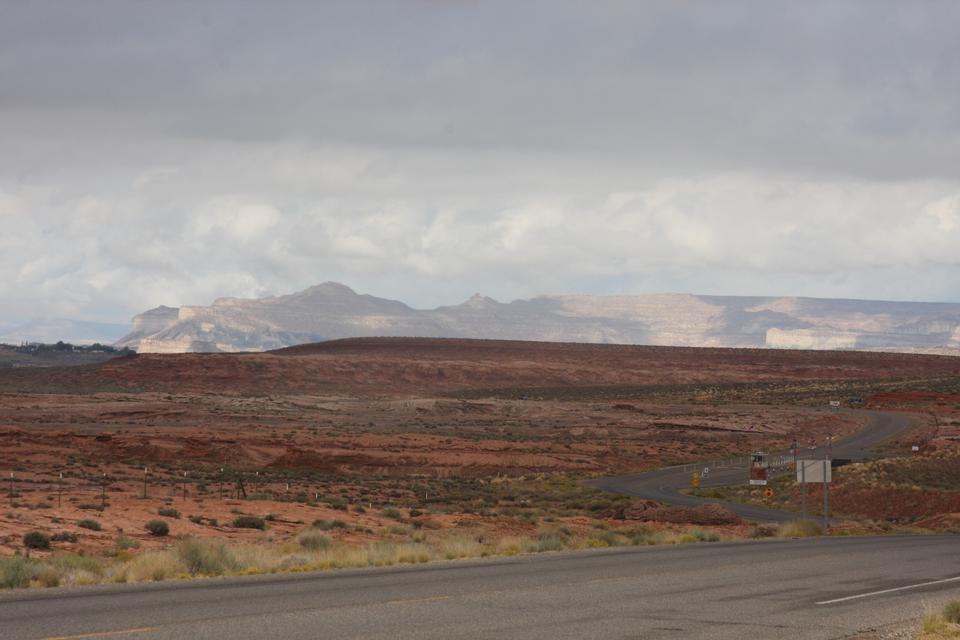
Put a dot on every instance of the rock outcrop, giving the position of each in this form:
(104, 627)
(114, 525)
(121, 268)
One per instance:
(329, 311)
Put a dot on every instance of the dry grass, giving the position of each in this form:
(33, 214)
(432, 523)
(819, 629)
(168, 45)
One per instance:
(313, 550)
(800, 529)
(943, 624)
(146, 567)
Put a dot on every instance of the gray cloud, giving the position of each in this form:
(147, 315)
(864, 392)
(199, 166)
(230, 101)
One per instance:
(175, 152)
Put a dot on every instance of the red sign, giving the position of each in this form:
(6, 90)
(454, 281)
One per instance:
(758, 469)
(758, 475)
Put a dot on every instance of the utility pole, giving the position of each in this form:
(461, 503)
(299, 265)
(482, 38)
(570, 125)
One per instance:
(60, 490)
(184, 486)
(103, 493)
(144, 483)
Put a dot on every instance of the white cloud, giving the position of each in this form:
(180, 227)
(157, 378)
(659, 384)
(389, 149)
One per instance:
(946, 211)
(425, 152)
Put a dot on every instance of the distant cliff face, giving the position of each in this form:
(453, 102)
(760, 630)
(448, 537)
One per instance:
(329, 311)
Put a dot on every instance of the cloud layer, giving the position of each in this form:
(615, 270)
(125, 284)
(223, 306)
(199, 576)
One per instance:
(172, 153)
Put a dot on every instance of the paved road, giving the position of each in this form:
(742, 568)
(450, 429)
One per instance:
(664, 485)
(765, 590)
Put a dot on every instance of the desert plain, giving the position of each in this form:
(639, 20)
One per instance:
(423, 449)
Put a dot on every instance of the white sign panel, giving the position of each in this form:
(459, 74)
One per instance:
(814, 471)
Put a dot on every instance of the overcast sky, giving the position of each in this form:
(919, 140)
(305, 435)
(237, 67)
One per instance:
(171, 153)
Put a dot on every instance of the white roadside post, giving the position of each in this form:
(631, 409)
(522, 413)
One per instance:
(818, 471)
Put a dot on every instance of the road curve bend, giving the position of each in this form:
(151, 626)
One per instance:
(664, 485)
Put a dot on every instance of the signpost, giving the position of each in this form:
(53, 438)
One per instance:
(759, 469)
(816, 471)
(695, 479)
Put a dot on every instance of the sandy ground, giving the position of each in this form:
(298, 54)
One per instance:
(377, 421)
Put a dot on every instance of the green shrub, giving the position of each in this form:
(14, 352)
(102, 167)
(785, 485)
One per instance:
(249, 522)
(329, 525)
(703, 535)
(337, 503)
(17, 572)
(951, 611)
(158, 527)
(64, 536)
(124, 543)
(605, 539)
(93, 525)
(549, 542)
(312, 541)
(73, 562)
(393, 513)
(36, 540)
(765, 530)
(196, 519)
(168, 512)
(205, 557)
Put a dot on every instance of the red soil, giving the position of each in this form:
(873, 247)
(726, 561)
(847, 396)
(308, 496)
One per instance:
(334, 415)
(381, 366)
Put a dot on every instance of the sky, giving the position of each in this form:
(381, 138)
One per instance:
(176, 152)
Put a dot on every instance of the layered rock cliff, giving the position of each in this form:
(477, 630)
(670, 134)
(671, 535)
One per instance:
(332, 310)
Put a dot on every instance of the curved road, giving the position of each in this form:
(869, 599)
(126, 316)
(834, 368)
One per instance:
(664, 485)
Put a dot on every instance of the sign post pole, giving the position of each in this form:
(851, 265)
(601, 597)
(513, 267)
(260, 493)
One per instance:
(826, 495)
(803, 489)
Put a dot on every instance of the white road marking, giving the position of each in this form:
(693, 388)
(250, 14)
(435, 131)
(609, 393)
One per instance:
(877, 593)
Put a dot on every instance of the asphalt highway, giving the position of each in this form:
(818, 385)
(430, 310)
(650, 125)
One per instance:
(664, 485)
(798, 589)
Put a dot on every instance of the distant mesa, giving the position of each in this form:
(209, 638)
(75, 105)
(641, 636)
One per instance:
(331, 311)
(52, 330)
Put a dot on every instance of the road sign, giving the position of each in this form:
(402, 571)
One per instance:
(706, 470)
(768, 492)
(915, 447)
(834, 403)
(758, 469)
(695, 479)
(814, 471)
